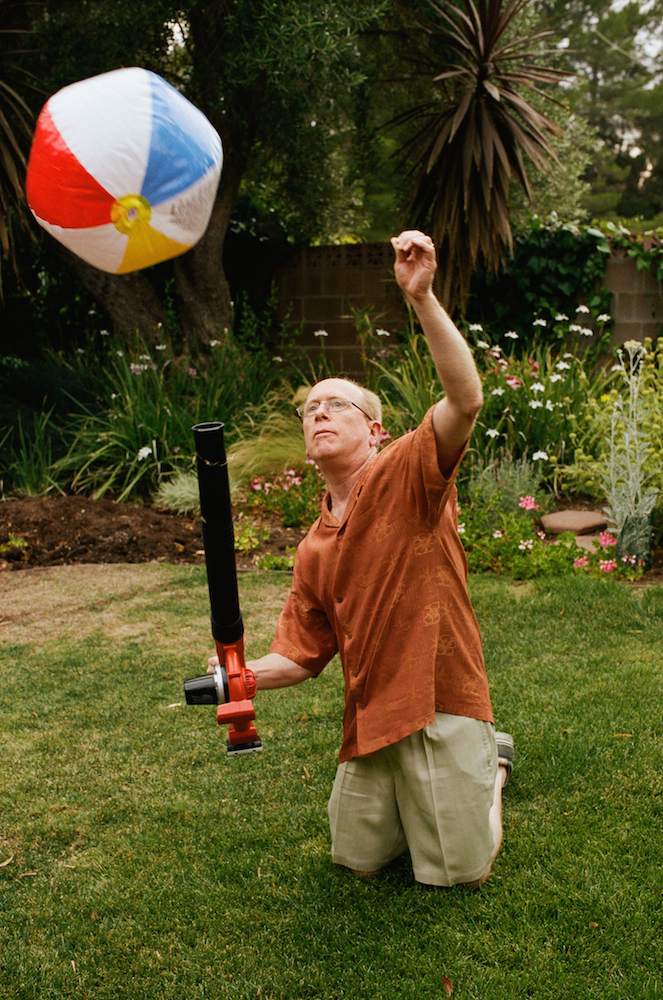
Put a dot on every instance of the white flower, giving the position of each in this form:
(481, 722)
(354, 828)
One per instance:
(537, 387)
(567, 355)
(586, 332)
(540, 455)
(497, 533)
(525, 543)
(483, 344)
(556, 378)
(497, 392)
(616, 368)
(562, 366)
(214, 343)
(492, 433)
(539, 322)
(549, 405)
(476, 327)
(382, 333)
(535, 403)
(575, 328)
(120, 354)
(604, 318)
(161, 347)
(144, 452)
(560, 317)
(320, 333)
(104, 333)
(512, 335)
(277, 359)
(461, 529)
(582, 309)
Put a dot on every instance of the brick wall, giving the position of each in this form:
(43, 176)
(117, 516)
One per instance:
(319, 287)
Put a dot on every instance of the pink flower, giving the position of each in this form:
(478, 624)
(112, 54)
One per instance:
(607, 565)
(580, 562)
(606, 538)
(513, 382)
(525, 543)
(528, 503)
(497, 533)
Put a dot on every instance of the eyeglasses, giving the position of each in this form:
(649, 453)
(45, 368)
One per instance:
(335, 405)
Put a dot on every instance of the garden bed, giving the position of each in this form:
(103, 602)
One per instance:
(61, 530)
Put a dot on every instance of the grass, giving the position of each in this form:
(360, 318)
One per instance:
(148, 864)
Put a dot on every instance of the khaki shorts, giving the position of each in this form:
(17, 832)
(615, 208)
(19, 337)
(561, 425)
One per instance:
(431, 792)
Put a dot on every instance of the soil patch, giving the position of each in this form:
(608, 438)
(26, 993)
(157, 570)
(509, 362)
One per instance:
(61, 531)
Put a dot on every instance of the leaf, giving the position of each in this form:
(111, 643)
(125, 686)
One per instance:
(448, 986)
(3, 864)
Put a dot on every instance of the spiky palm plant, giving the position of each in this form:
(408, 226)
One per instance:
(471, 140)
(15, 133)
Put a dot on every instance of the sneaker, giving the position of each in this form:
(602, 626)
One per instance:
(505, 753)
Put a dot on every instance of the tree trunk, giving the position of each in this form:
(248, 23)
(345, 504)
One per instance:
(131, 300)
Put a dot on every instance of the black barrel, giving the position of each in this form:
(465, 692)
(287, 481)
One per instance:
(217, 530)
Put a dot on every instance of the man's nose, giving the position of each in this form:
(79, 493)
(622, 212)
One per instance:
(322, 411)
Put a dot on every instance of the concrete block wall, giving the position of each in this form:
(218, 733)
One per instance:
(319, 287)
(637, 300)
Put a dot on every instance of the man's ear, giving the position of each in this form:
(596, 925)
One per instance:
(376, 430)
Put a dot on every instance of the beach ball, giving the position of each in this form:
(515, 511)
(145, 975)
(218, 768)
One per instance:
(123, 170)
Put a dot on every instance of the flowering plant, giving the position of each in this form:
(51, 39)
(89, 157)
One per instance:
(533, 404)
(292, 497)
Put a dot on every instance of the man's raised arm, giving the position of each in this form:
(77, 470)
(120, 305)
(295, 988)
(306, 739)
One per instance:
(455, 415)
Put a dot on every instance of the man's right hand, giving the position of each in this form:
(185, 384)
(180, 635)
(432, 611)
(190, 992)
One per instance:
(415, 263)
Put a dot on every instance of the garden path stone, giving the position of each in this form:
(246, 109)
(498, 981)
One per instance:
(580, 522)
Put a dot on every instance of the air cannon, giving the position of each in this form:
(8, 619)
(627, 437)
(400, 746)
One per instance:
(232, 685)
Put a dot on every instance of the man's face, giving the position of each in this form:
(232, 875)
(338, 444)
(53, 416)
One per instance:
(337, 435)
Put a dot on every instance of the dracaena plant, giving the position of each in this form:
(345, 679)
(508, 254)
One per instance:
(467, 143)
(15, 134)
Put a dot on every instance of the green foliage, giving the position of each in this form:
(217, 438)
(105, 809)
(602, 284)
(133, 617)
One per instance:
(30, 448)
(645, 249)
(277, 563)
(13, 542)
(248, 534)
(552, 268)
(148, 400)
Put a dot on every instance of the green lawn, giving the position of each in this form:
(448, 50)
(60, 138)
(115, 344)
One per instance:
(144, 863)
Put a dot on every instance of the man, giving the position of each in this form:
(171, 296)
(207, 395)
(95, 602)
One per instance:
(381, 578)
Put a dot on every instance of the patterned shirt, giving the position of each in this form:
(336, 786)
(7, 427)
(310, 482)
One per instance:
(387, 589)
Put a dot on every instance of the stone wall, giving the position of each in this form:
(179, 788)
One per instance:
(320, 287)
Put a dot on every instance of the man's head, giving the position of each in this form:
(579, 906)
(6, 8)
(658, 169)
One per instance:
(336, 433)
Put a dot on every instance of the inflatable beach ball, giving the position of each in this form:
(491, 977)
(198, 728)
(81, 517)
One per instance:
(123, 170)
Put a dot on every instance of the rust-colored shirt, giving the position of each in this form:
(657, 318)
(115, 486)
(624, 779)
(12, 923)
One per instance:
(387, 588)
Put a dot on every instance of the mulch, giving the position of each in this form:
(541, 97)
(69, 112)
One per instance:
(61, 530)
